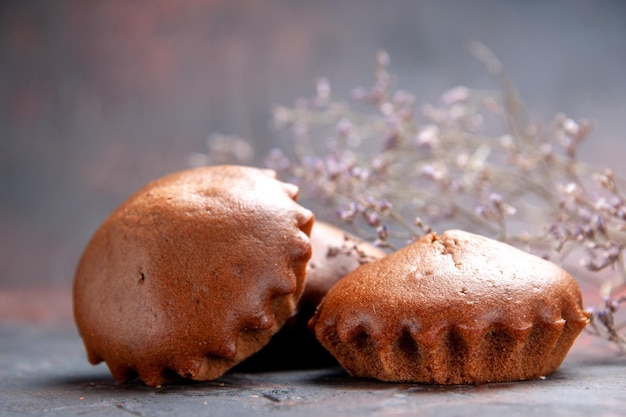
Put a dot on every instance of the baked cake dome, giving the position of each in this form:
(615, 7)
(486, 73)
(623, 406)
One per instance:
(335, 254)
(192, 274)
(452, 309)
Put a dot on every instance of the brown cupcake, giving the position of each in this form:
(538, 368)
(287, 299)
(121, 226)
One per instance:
(192, 274)
(335, 254)
(452, 309)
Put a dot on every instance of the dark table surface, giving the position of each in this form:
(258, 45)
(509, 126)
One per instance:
(43, 371)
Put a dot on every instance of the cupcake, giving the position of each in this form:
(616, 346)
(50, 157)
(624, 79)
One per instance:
(192, 274)
(335, 254)
(452, 309)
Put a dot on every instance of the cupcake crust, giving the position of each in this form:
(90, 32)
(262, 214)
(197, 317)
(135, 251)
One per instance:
(192, 274)
(452, 309)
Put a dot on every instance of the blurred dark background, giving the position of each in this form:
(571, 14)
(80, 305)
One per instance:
(99, 97)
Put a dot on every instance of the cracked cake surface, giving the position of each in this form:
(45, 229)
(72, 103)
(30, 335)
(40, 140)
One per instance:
(192, 274)
(452, 309)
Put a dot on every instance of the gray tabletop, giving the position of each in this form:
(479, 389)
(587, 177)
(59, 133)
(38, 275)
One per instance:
(44, 372)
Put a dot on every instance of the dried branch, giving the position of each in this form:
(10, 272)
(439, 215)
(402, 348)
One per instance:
(393, 172)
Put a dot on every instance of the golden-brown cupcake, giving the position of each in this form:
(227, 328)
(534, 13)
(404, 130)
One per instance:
(452, 309)
(335, 254)
(192, 274)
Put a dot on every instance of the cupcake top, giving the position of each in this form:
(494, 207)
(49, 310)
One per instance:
(335, 254)
(457, 289)
(192, 274)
